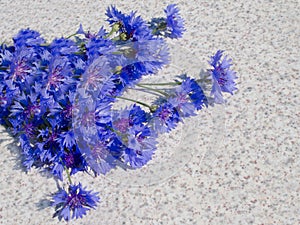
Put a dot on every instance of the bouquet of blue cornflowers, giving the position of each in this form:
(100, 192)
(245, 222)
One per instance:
(57, 98)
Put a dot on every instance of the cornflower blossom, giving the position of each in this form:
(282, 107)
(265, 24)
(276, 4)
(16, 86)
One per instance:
(222, 76)
(76, 201)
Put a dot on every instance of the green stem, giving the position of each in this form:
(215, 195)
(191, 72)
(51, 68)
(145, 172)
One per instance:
(68, 174)
(171, 83)
(136, 101)
(153, 89)
(161, 84)
(45, 45)
(145, 91)
(72, 35)
(115, 28)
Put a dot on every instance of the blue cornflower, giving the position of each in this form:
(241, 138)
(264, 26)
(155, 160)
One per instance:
(135, 140)
(63, 46)
(28, 38)
(26, 106)
(84, 119)
(147, 55)
(30, 152)
(188, 97)
(175, 26)
(76, 200)
(70, 158)
(140, 147)
(98, 154)
(172, 26)
(98, 46)
(123, 119)
(222, 76)
(59, 77)
(61, 108)
(68, 139)
(97, 79)
(131, 26)
(91, 123)
(74, 159)
(24, 67)
(165, 118)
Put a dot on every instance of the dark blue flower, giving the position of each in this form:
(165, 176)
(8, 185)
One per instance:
(68, 158)
(98, 79)
(24, 68)
(188, 97)
(30, 152)
(98, 46)
(98, 154)
(125, 118)
(63, 46)
(222, 76)
(28, 38)
(135, 140)
(59, 77)
(175, 26)
(171, 27)
(150, 55)
(76, 201)
(131, 26)
(165, 118)
(141, 145)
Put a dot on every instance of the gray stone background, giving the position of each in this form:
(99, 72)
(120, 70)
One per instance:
(251, 177)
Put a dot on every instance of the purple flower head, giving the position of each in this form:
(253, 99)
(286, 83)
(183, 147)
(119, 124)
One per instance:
(222, 76)
(97, 153)
(165, 118)
(59, 78)
(97, 78)
(140, 147)
(126, 118)
(188, 97)
(70, 158)
(24, 68)
(135, 139)
(76, 201)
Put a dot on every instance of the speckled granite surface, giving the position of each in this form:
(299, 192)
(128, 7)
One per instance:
(250, 175)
